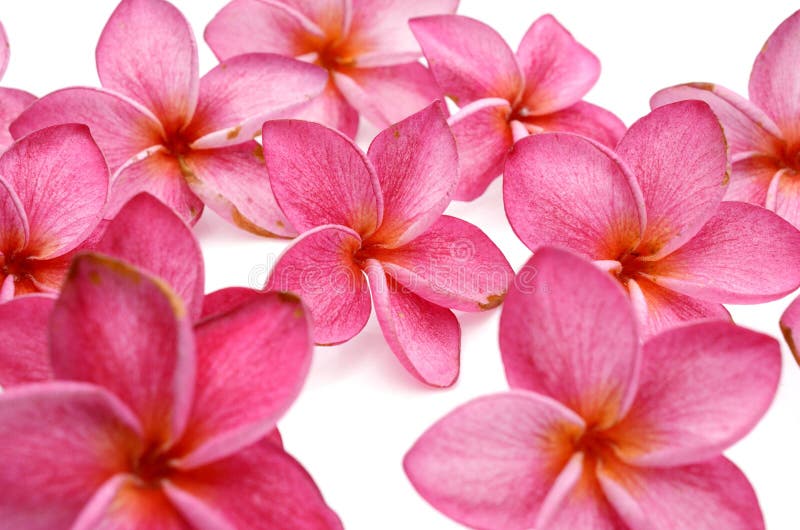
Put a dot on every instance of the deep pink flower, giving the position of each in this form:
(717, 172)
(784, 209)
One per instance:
(53, 189)
(373, 222)
(598, 430)
(153, 422)
(764, 132)
(652, 215)
(166, 131)
(506, 96)
(365, 45)
(12, 101)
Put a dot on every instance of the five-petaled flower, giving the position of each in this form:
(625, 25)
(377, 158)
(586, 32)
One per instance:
(600, 431)
(652, 215)
(12, 101)
(164, 130)
(365, 45)
(381, 214)
(506, 96)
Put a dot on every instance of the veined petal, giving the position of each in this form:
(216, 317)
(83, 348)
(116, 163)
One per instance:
(330, 109)
(751, 178)
(12, 103)
(24, 350)
(784, 197)
(226, 299)
(581, 118)
(15, 228)
(332, 16)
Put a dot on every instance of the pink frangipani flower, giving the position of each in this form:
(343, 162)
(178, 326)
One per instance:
(506, 96)
(652, 215)
(365, 45)
(153, 422)
(598, 430)
(764, 131)
(373, 223)
(12, 101)
(164, 130)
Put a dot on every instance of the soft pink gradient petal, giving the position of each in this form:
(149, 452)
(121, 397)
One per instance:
(744, 254)
(149, 235)
(113, 319)
(128, 505)
(568, 331)
(332, 16)
(417, 166)
(583, 506)
(790, 324)
(751, 178)
(702, 387)
(226, 299)
(319, 267)
(24, 350)
(472, 68)
(581, 118)
(562, 189)
(12, 103)
(330, 109)
(60, 442)
(147, 51)
(62, 180)
(425, 337)
(492, 462)
(784, 197)
(558, 71)
(320, 177)
(15, 228)
(5, 51)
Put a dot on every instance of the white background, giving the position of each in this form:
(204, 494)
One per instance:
(360, 410)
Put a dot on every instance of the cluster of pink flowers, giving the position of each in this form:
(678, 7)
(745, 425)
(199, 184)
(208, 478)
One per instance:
(132, 399)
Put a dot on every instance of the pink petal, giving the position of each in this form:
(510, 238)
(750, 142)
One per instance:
(224, 300)
(417, 165)
(751, 178)
(147, 51)
(60, 441)
(24, 351)
(16, 230)
(558, 70)
(425, 337)
(330, 109)
(744, 254)
(581, 118)
(146, 233)
(789, 324)
(492, 462)
(468, 69)
(706, 496)
(233, 181)
(332, 16)
(567, 331)
(239, 94)
(320, 268)
(679, 156)
(484, 138)
(5, 51)
(320, 177)
(702, 387)
(12, 103)
(119, 328)
(784, 197)
(453, 264)
(562, 189)
(44, 169)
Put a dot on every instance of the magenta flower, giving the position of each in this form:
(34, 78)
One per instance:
(365, 45)
(12, 101)
(506, 96)
(763, 132)
(151, 424)
(53, 189)
(166, 131)
(652, 215)
(600, 431)
(374, 223)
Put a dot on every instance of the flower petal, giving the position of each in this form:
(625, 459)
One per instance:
(16, 231)
(790, 321)
(751, 178)
(567, 331)
(5, 51)
(319, 267)
(784, 197)
(24, 351)
(330, 109)
(581, 118)
(320, 177)
(481, 66)
(425, 337)
(562, 189)
(12, 103)
(226, 299)
(116, 327)
(492, 462)
(332, 16)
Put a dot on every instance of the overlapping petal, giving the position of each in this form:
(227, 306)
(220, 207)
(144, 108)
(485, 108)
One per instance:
(581, 118)
(12, 103)
(4, 51)
(790, 323)
(24, 353)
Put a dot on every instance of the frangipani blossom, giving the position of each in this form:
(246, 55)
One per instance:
(598, 430)
(652, 215)
(53, 190)
(164, 130)
(153, 424)
(506, 96)
(365, 45)
(764, 131)
(373, 223)
(12, 101)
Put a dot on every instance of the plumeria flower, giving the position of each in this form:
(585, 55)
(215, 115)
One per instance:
(12, 101)
(652, 215)
(763, 131)
(153, 422)
(506, 96)
(365, 45)
(164, 130)
(373, 223)
(598, 430)
(53, 190)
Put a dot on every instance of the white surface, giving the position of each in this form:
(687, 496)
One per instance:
(360, 411)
